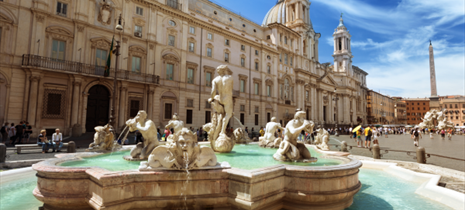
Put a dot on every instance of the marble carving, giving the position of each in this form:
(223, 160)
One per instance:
(269, 140)
(222, 105)
(176, 124)
(430, 116)
(103, 139)
(322, 138)
(240, 136)
(104, 15)
(148, 130)
(182, 153)
(290, 150)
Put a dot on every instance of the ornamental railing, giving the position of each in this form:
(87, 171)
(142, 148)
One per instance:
(174, 4)
(48, 63)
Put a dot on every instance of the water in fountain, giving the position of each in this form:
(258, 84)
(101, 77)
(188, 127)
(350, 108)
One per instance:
(184, 187)
(125, 136)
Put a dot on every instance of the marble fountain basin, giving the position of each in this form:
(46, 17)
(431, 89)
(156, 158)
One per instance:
(274, 186)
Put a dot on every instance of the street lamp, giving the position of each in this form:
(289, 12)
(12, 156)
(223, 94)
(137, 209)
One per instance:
(112, 120)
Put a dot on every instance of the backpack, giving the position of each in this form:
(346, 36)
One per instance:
(3, 130)
(415, 133)
(370, 133)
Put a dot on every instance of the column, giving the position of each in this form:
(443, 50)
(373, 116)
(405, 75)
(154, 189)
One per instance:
(122, 106)
(320, 106)
(85, 96)
(298, 10)
(33, 99)
(354, 113)
(150, 104)
(75, 109)
(308, 15)
(314, 105)
(331, 109)
(288, 19)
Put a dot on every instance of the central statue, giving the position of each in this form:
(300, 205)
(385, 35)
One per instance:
(222, 104)
(290, 150)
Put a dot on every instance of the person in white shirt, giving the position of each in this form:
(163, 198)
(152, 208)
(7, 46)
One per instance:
(57, 139)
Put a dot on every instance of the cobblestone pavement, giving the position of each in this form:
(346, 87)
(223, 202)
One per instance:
(450, 148)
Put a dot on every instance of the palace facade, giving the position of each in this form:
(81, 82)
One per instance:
(53, 55)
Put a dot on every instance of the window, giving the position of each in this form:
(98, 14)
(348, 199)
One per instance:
(135, 64)
(285, 58)
(285, 40)
(191, 30)
(268, 69)
(418, 108)
(407, 108)
(169, 72)
(209, 52)
(243, 47)
(463, 105)
(242, 108)
(257, 109)
(207, 105)
(242, 118)
(306, 95)
(190, 103)
(292, 60)
(242, 86)
(189, 116)
(268, 37)
(168, 110)
(58, 50)
(171, 40)
(292, 42)
(190, 76)
(280, 58)
(208, 116)
(456, 106)
(256, 66)
(191, 47)
(54, 103)
(256, 89)
(172, 23)
(226, 57)
(424, 104)
(256, 119)
(208, 78)
(134, 108)
(226, 42)
(424, 108)
(100, 57)
(62, 8)
(242, 62)
(139, 11)
(450, 106)
(138, 31)
(407, 103)
(419, 104)
(256, 52)
(209, 36)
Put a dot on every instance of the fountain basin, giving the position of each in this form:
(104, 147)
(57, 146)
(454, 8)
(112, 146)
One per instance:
(272, 187)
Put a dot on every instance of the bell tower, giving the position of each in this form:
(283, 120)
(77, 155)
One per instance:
(342, 51)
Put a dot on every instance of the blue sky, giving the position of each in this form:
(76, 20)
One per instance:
(390, 40)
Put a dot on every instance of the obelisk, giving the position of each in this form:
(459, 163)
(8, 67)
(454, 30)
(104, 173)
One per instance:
(434, 99)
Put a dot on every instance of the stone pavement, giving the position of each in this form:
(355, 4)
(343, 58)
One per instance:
(450, 148)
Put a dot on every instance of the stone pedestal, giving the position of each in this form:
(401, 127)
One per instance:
(71, 147)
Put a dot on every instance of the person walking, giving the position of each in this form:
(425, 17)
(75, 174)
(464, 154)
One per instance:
(350, 132)
(375, 136)
(57, 139)
(443, 134)
(43, 141)
(359, 140)
(4, 131)
(416, 135)
(27, 132)
(449, 134)
(12, 133)
(368, 134)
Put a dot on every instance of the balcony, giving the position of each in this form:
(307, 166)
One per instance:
(50, 64)
(174, 4)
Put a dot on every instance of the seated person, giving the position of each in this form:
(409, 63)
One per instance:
(57, 139)
(42, 141)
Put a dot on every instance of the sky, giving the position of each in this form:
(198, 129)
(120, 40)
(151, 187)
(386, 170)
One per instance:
(390, 40)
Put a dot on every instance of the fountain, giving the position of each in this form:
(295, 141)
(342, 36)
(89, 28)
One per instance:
(103, 140)
(182, 174)
(430, 116)
(322, 138)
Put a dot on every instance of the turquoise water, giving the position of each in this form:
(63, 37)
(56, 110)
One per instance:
(17, 195)
(243, 156)
(381, 190)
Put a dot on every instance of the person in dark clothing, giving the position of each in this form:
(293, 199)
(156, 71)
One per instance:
(27, 132)
(205, 136)
(19, 132)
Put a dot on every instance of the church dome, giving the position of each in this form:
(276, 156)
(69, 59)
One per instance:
(277, 14)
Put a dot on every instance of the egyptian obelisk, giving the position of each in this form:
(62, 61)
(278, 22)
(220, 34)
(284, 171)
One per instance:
(434, 99)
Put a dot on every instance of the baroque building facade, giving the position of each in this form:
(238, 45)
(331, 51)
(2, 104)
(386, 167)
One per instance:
(53, 53)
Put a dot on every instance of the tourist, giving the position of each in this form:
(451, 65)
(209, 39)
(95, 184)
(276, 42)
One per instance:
(247, 130)
(350, 132)
(205, 136)
(449, 134)
(262, 132)
(375, 136)
(385, 132)
(57, 139)
(416, 135)
(359, 139)
(12, 133)
(4, 131)
(27, 132)
(167, 133)
(201, 134)
(280, 133)
(431, 134)
(42, 141)
(158, 134)
(19, 133)
(443, 134)
(368, 134)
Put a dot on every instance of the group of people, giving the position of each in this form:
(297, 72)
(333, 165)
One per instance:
(56, 143)
(369, 134)
(16, 134)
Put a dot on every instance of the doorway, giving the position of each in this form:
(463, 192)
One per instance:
(98, 106)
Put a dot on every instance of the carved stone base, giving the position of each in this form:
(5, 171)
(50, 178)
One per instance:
(303, 153)
(145, 167)
(223, 144)
(98, 149)
(129, 158)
